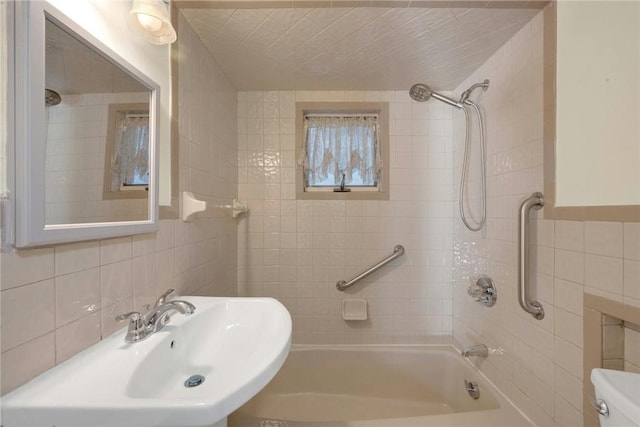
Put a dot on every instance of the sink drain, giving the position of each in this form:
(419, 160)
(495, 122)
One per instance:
(194, 381)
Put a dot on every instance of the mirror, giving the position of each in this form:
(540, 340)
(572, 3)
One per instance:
(597, 133)
(86, 136)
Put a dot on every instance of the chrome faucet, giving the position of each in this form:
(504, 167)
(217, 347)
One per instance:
(154, 317)
(479, 350)
(164, 319)
(142, 326)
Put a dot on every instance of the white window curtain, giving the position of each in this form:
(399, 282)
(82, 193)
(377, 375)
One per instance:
(341, 146)
(130, 163)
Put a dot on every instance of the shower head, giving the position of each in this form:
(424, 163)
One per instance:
(51, 98)
(421, 92)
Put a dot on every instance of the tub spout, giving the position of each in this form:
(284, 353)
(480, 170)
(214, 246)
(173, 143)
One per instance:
(479, 350)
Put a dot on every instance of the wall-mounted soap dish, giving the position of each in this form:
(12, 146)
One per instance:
(354, 309)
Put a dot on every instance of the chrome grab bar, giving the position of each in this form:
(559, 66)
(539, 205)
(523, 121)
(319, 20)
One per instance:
(536, 201)
(398, 251)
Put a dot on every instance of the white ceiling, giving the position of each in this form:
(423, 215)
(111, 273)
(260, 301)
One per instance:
(362, 48)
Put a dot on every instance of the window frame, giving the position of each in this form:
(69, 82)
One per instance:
(381, 109)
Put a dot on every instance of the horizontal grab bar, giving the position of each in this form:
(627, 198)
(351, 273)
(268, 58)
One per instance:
(398, 251)
(536, 201)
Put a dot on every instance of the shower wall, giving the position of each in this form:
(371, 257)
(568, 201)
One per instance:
(296, 250)
(538, 364)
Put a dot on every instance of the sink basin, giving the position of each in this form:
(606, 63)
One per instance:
(236, 344)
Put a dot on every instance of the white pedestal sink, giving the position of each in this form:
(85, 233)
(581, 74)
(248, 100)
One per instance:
(236, 344)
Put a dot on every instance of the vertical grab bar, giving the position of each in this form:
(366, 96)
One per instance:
(536, 201)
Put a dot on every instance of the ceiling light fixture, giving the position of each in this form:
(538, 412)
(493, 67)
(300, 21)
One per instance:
(150, 18)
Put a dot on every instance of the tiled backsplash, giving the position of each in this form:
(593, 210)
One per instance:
(296, 250)
(538, 364)
(57, 301)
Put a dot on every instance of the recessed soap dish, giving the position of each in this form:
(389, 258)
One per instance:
(354, 309)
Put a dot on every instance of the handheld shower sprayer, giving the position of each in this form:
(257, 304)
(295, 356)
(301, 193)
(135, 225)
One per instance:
(421, 92)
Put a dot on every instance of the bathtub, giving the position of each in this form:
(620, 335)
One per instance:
(376, 386)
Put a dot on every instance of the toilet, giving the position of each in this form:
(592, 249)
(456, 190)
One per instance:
(620, 391)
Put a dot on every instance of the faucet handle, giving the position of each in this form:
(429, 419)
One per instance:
(137, 328)
(163, 298)
(475, 291)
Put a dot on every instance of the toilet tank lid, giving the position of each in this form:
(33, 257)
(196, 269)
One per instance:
(620, 389)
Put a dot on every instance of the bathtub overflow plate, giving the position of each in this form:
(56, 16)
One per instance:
(194, 381)
(472, 388)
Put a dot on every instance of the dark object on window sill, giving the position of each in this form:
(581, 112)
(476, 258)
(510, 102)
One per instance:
(342, 189)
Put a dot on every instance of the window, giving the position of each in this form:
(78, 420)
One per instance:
(127, 152)
(342, 151)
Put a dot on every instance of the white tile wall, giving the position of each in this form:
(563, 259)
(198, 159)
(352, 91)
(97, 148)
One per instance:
(632, 349)
(538, 363)
(297, 250)
(57, 301)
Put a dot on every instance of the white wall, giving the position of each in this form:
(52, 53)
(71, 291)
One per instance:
(296, 250)
(106, 20)
(598, 103)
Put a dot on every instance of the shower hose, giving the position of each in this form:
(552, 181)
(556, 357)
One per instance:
(465, 167)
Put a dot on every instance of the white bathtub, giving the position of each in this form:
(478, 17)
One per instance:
(376, 386)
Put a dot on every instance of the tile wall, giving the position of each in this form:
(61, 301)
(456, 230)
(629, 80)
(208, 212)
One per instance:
(76, 138)
(538, 364)
(613, 340)
(297, 250)
(57, 301)
(632, 348)
(620, 345)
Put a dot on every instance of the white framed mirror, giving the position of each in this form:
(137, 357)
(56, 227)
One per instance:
(67, 82)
